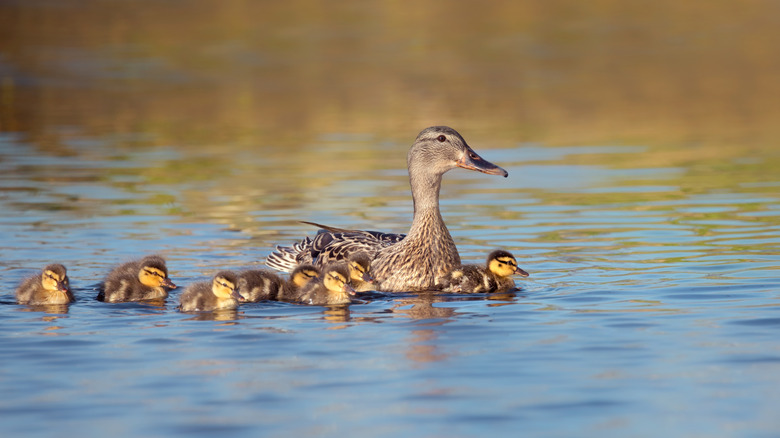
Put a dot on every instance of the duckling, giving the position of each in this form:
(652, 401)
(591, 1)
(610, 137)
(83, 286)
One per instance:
(258, 285)
(219, 294)
(51, 286)
(332, 288)
(300, 277)
(359, 277)
(145, 279)
(495, 277)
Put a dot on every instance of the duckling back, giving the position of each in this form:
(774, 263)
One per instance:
(258, 285)
(51, 286)
(218, 294)
(469, 279)
(138, 280)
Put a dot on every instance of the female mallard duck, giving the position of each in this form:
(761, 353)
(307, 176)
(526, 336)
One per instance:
(51, 286)
(330, 289)
(291, 290)
(496, 276)
(427, 253)
(360, 278)
(218, 294)
(145, 279)
(258, 285)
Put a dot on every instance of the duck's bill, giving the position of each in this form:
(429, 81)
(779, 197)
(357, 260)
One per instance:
(235, 294)
(168, 283)
(367, 277)
(521, 272)
(472, 161)
(62, 287)
(349, 289)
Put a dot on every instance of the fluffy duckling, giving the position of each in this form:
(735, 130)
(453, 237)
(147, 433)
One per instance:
(219, 294)
(51, 286)
(258, 285)
(332, 288)
(359, 264)
(291, 290)
(145, 279)
(495, 277)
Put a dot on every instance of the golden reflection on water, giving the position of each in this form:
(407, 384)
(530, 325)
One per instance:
(260, 74)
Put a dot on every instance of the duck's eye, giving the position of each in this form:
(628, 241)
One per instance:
(441, 138)
(473, 156)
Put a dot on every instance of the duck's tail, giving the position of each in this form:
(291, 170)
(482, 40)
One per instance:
(286, 258)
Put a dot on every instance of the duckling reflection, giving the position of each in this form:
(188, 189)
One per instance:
(337, 314)
(51, 286)
(259, 285)
(496, 276)
(139, 280)
(423, 308)
(51, 309)
(332, 288)
(292, 289)
(218, 294)
(229, 316)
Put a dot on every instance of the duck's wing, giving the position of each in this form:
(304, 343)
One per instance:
(329, 245)
(285, 258)
(389, 238)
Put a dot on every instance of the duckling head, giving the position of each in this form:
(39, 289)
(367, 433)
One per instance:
(55, 278)
(224, 286)
(303, 274)
(336, 279)
(154, 273)
(440, 148)
(503, 264)
(359, 264)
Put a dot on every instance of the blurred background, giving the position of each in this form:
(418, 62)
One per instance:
(260, 74)
(267, 102)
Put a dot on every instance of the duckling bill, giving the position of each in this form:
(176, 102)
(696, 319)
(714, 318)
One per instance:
(220, 293)
(139, 280)
(51, 286)
(496, 276)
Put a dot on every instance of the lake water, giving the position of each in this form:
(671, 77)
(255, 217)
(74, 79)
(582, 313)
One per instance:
(647, 213)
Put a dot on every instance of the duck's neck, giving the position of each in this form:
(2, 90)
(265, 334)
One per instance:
(425, 194)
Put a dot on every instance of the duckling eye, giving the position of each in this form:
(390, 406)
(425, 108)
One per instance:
(441, 138)
(154, 273)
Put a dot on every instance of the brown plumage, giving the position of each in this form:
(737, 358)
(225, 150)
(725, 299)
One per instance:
(51, 286)
(258, 285)
(292, 289)
(495, 276)
(415, 261)
(218, 294)
(144, 279)
(331, 288)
